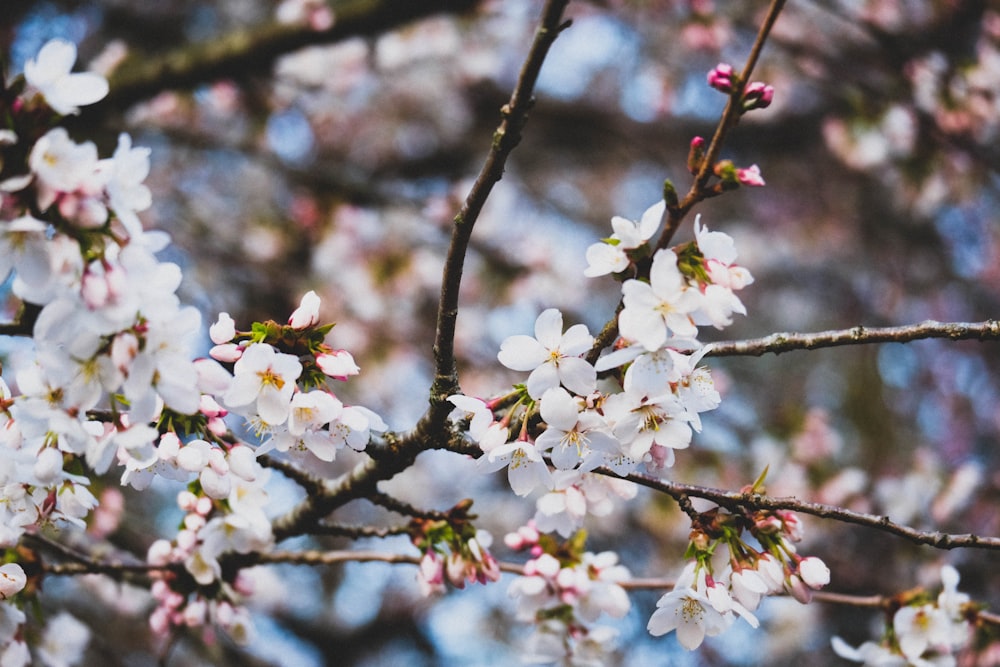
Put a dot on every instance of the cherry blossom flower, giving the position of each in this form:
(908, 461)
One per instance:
(266, 378)
(124, 174)
(12, 580)
(60, 165)
(868, 653)
(309, 413)
(553, 357)
(661, 306)
(610, 256)
(526, 470)
(50, 72)
(23, 247)
(919, 628)
(571, 434)
(641, 422)
(690, 613)
(475, 409)
(64, 640)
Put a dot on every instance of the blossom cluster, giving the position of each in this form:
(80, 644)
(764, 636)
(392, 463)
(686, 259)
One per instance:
(453, 551)
(924, 631)
(727, 576)
(112, 380)
(634, 407)
(564, 591)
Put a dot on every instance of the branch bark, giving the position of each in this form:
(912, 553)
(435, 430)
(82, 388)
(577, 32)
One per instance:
(255, 50)
(777, 343)
(733, 500)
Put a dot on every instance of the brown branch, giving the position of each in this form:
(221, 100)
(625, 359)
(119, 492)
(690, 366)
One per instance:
(698, 190)
(777, 343)
(355, 532)
(730, 117)
(256, 50)
(634, 584)
(753, 501)
(432, 431)
(505, 139)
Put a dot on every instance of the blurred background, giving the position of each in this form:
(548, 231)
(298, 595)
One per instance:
(336, 163)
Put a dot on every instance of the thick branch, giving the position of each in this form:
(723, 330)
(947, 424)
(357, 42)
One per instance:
(755, 501)
(777, 343)
(255, 50)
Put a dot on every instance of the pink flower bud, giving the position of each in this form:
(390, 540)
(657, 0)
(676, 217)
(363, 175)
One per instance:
(721, 78)
(757, 95)
(226, 353)
(224, 329)
(337, 364)
(750, 176)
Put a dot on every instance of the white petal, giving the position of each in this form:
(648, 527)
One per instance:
(548, 328)
(521, 353)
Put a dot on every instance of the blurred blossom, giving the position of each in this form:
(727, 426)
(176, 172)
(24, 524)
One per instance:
(290, 136)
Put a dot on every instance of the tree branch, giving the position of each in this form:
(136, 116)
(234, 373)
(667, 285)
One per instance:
(777, 343)
(255, 50)
(730, 117)
(732, 500)
(505, 139)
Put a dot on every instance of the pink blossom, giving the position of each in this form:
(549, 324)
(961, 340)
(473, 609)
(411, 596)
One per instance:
(750, 176)
(721, 78)
(757, 95)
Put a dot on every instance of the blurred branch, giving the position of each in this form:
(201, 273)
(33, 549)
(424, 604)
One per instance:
(754, 501)
(405, 509)
(355, 532)
(25, 322)
(777, 343)
(255, 50)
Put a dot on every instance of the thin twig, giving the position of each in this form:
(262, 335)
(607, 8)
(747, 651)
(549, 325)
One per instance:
(403, 508)
(730, 117)
(256, 49)
(777, 343)
(754, 501)
(432, 430)
(505, 139)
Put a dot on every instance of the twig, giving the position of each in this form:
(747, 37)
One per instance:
(312, 485)
(505, 139)
(432, 430)
(405, 509)
(777, 343)
(732, 500)
(730, 117)
(635, 584)
(256, 50)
